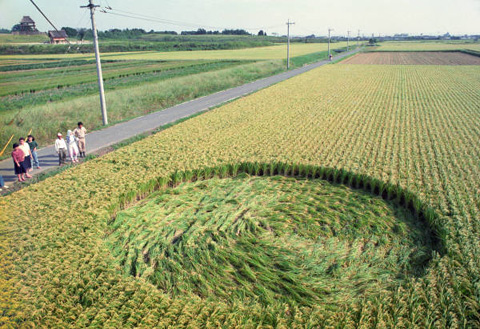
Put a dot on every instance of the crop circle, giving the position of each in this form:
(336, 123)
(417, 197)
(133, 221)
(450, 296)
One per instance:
(269, 240)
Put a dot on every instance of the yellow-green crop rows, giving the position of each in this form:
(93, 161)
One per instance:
(258, 53)
(416, 127)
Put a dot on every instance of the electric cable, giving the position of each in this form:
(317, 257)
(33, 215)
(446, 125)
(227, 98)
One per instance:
(54, 72)
(128, 14)
(48, 20)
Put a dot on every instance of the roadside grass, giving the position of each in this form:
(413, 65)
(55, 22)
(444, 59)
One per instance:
(315, 57)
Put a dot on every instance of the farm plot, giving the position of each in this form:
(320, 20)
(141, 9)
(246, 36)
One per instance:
(33, 80)
(428, 46)
(413, 58)
(257, 53)
(407, 127)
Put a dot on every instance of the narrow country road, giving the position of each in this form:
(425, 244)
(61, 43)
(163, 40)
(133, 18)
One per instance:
(114, 134)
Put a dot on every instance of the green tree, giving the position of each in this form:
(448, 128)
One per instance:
(71, 32)
(16, 27)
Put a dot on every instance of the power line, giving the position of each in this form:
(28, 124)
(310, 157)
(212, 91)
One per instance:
(128, 14)
(157, 20)
(52, 74)
(41, 12)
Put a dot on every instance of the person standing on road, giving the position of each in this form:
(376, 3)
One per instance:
(28, 154)
(61, 148)
(33, 149)
(80, 133)
(19, 163)
(2, 184)
(72, 146)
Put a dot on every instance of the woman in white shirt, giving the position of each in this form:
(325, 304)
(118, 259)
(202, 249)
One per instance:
(72, 146)
(26, 151)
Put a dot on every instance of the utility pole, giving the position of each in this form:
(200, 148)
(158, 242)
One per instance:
(329, 56)
(348, 40)
(103, 105)
(288, 43)
(358, 38)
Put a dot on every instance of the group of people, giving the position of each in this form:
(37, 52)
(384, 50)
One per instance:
(25, 156)
(74, 144)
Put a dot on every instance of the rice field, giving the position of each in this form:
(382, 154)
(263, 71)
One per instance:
(257, 53)
(47, 93)
(86, 250)
(413, 58)
(428, 46)
(37, 79)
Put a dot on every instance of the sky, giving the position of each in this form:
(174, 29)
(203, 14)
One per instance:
(378, 17)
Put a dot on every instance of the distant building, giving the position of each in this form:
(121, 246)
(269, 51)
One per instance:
(57, 37)
(446, 36)
(400, 36)
(26, 27)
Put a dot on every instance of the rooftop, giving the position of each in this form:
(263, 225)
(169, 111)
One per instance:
(57, 34)
(27, 19)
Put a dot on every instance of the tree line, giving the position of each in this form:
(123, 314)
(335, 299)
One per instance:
(132, 33)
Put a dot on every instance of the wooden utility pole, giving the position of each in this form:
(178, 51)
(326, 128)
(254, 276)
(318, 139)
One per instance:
(348, 40)
(329, 55)
(288, 43)
(103, 105)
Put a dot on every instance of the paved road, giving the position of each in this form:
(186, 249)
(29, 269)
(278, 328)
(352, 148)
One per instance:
(109, 136)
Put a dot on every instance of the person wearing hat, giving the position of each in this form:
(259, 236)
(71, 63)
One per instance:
(61, 148)
(80, 133)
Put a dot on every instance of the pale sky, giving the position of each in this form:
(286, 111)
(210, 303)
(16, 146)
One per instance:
(383, 17)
